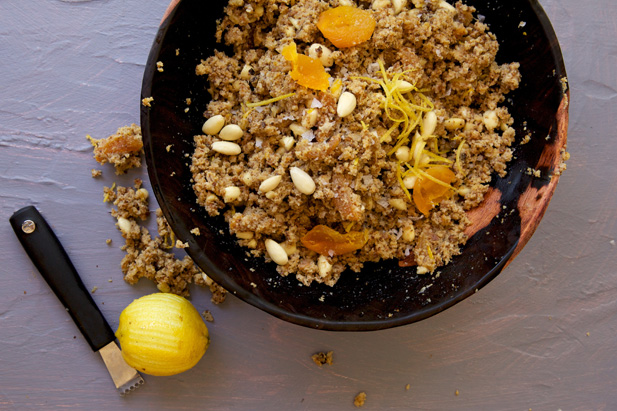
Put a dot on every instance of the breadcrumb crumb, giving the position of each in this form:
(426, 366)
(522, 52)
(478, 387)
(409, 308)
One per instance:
(96, 173)
(147, 102)
(123, 149)
(322, 358)
(360, 399)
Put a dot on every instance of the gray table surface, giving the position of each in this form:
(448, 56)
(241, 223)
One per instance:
(541, 336)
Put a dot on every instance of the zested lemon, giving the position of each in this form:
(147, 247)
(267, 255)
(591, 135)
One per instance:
(162, 334)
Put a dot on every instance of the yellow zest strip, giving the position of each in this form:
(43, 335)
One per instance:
(349, 226)
(399, 177)
(437, 158)
(430, 252)
(364, 125)
(457, 162)
(269, 101)
(421, 173)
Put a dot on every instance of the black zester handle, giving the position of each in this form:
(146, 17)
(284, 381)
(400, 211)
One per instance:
(49, 257)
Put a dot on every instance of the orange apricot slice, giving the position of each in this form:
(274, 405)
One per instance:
(346, 26)
(307, 71)
(326, 241)
(428, 193)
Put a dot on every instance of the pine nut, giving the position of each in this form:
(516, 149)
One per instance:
(303, 182)
(409, 182)
(324, 266)
(231, 132)
(246, 72)
(213, 125)
(270, 184)
(398, 203)
(322, 53)
(245, 235)
(298, 129)
(163, 287)
(397, 5)
(226, 147)
(429, 123)
(403, 154)
(247, 178)
(346, 104)
(404, 86)
(124, 225)
(231, 194)
(490, 119)
(288, 142)
(454, 123)
(276, 252)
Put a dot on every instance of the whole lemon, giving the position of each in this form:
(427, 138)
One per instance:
(162, 334)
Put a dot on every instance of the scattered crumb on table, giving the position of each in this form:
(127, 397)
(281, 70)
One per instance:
(147, 102)
(123, 149)
(96, 173)
(94, 289)
(360, 399)
(207, 316)
(322, 358)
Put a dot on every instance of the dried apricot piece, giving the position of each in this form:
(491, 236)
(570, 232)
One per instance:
(427, 193)
(307, 71)
(326, 241)
(346, 26)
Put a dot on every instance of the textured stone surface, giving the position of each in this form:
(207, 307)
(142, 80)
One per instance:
(540, 336)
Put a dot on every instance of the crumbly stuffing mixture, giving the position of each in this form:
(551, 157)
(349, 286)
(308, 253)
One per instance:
(151, 257)
(122, 149)
(444, 53)
(322, 358)
(360, 399)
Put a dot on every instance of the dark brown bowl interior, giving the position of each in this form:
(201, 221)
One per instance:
(383, 295)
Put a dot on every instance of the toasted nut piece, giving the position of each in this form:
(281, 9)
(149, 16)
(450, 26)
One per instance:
(226, 147)
(398, 203)
(289, 247)
(142, 194)
(163, 287)
(490, 119)
(346, 104)
(231, 194)
(213, 125)
(429, 123)
(322, 53)
(270, 195)
(445, 5)
(124, 225)
(422, 270)
(398, 5)
(303, 182)
(409, 182)
(404, 86)
(245, 235)
(403, 154)
(288, 142)
(310, 119)
(247, 178)
(245, 74)
(231, 132)
(252, 244)
(270, 183)
(276, 252)
(298, 129)
(324, 266)
(454, 123)
(409, 233)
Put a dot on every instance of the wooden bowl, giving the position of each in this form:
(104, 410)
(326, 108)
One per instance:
(382, 295)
